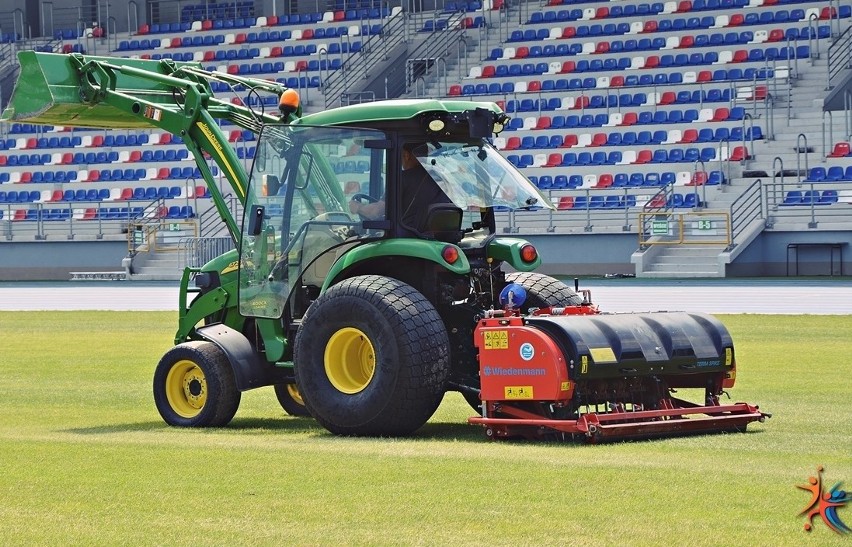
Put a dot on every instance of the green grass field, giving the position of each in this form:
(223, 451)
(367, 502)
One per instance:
(85, 458)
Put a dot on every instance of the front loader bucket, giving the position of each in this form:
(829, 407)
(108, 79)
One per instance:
(49, 90)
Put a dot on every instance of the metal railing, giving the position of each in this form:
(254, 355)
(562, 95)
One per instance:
(746, 209)
(195, 252)
(839, 58)
(354, 69)
(684, 228)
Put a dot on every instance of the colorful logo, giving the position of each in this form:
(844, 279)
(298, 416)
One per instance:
(824, 504)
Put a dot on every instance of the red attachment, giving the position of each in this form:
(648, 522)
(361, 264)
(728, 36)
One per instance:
(621, 425)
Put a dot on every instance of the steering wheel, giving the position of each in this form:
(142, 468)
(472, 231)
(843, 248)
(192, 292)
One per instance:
(363, 197)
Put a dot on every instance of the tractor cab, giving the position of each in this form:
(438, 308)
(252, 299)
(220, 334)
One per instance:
(311, 186)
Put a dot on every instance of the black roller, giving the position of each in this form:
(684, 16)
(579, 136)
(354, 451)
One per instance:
(640, 344)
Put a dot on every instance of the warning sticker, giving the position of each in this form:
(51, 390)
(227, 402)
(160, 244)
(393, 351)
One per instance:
(729, 357)
(603, 355)
(496, 339)
(565, 386)
(518, 392)
(584, 364)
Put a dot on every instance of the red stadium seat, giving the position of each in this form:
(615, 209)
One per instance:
(644, 156)
(604, 181)
(569, 140)
(565, 203)
(668, 97)
(739, 154)
(553, 160)
(841, 150)
(689, 136)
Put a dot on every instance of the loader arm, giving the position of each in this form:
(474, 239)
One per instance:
(104, 92)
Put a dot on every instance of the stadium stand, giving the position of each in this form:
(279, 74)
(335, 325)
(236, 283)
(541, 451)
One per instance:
(646, 96)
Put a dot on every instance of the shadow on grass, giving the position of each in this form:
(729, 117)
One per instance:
(432, 431)
(243, 425)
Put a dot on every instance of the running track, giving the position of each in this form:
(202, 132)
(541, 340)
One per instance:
(771, 296)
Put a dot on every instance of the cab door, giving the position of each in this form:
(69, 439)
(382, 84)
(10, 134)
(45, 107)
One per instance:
(297, 217)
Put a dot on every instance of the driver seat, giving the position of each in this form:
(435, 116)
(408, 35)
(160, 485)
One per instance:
(443, 223)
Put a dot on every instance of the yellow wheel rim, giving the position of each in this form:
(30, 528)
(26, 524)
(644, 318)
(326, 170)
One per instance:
(350, 360)
(294, 394)
(186, 389)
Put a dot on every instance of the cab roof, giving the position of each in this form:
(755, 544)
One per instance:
(374, 113)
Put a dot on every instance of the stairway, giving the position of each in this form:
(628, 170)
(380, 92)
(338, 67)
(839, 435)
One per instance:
(669, 261)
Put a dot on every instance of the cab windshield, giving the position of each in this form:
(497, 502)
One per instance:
(477, 175)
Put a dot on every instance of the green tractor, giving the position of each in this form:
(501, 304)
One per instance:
(365, 321)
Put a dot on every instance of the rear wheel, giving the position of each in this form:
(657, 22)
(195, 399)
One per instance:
(372, 358)
(544, 291)
(194, 386)
(291, 400)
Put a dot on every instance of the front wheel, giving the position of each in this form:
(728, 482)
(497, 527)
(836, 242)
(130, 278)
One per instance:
(544, 291)
(291, 400)
(372, 358)
(194, 386)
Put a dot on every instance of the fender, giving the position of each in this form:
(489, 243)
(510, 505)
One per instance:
(508, 250)
(414, 248)
(250, 370)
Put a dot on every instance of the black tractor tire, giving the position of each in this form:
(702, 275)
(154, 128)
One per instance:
(194, 386)
(544, 291)
(372, 358)
(291, 400)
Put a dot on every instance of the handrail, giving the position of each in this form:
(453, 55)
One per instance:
(132, 29)
(799, 151)
(839, 57)
(847, 112)
(830, 132)
(813, 38)
(745, 209)
(748, 143)
(776, 172)
(834, 17)
(703, 201)
(340, 81)
(112, 35)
